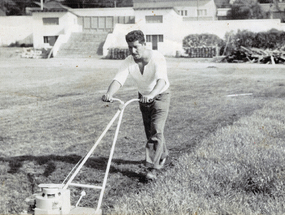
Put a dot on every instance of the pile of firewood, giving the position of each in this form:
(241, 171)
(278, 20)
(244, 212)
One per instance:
(254, 55)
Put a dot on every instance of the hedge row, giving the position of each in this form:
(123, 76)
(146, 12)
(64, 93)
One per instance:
(272, 39)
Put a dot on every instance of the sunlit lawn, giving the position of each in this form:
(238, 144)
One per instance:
(221, 148)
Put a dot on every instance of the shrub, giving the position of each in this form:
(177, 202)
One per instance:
(272, 39)
(198, 40)
(17, 44)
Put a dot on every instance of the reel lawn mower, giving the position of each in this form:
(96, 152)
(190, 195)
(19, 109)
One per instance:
(55, 198)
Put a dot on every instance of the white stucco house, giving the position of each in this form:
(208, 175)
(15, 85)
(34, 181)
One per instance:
(159, 19)
(48, 26)
(165, 27)
(55, 20)
(164, 22)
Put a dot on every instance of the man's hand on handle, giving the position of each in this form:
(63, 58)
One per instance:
(156, 90)
(146, 99)
(113, 88)
(107, 98)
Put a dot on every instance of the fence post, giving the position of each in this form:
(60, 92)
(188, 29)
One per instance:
(217, 51)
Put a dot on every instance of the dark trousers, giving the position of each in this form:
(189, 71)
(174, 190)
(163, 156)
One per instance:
(154, 116)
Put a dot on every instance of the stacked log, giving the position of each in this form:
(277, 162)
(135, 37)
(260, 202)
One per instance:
(255, 55)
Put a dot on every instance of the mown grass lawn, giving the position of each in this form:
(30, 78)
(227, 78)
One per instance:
(225, 152)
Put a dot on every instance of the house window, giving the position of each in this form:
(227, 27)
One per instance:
(109, 22)
(45, 39)
(51, 21)
(87, 22)
(202, 12)
(102, 22)
(154, 19)
(149, 38)
(182, 12)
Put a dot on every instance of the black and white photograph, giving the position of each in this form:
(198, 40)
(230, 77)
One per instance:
(152, 107)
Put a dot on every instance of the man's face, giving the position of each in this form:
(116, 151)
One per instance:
(136, 49)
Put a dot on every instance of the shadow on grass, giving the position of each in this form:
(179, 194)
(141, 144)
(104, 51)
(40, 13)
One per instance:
(99, 163)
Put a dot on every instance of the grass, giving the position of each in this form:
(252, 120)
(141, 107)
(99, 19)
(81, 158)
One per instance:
(239, 169)
(51, 114)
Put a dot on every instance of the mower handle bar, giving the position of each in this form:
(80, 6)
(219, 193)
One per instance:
(128, 102)
(125, 103)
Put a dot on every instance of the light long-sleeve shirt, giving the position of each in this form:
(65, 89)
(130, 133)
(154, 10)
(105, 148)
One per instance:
(153, 71)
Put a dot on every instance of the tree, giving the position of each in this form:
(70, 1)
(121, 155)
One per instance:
(247, 9)
(125, 3)
(97, 3)
(198, 40)
(6, 5)
(265, 1)
(16, 7)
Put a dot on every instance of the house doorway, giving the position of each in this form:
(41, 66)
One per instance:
(154, 42)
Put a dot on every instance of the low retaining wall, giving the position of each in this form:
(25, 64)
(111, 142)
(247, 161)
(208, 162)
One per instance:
(201, 52)
(117, 53)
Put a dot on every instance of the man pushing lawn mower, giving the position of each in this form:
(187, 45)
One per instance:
(149, 71)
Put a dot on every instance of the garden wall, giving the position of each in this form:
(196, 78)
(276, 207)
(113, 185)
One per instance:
(16, 29)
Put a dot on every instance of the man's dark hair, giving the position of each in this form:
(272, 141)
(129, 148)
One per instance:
(136, 35)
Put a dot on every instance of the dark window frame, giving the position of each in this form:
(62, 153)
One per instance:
(160, 38)
(154, 19)
(50, 20)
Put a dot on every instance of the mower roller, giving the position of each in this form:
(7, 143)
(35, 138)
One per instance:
(55, 198)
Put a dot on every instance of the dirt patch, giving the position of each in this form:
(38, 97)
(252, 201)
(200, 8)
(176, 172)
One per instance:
(10, 52)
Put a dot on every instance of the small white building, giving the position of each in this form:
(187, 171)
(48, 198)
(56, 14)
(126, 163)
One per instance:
(47, 27)
(161, 21)
(51, 22)
(56, 21)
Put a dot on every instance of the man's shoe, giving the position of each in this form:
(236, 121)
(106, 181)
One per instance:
(151, 175)
(162, 162)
